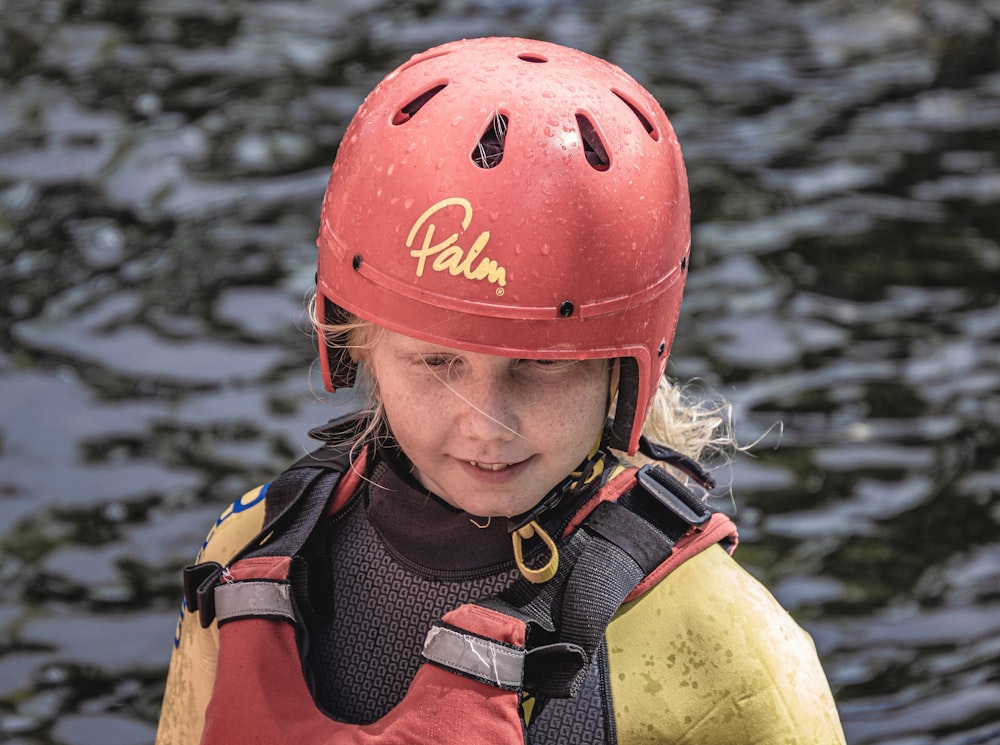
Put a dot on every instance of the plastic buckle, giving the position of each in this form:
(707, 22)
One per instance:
(673, 495)
(199, 590)
(517, 522)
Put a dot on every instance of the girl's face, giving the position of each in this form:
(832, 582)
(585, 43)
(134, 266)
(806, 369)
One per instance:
(489, 435)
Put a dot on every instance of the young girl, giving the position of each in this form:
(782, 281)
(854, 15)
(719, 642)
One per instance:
(475, 555)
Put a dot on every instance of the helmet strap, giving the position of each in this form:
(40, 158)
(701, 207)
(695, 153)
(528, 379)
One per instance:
(341, 365)
(619, 434)
(587, 476)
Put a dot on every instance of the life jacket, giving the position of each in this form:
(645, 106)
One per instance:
(486, 662)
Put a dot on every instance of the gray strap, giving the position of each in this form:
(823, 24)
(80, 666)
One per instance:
(253, 598)
(484, 659)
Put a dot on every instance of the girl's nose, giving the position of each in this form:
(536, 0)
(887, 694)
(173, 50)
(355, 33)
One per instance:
(490, 412)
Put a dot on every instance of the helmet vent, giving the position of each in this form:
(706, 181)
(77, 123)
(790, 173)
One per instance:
(645, 121)
(531, 57)
(593, 145)
(410, 110)
(489, 150)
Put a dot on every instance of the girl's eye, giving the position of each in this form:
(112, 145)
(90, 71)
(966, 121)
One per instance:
(546, 364)
(435, 361)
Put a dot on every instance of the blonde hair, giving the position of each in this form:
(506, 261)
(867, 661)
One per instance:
(688, 420)
(679, 418)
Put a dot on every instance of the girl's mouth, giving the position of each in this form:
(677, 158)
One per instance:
(489, 466)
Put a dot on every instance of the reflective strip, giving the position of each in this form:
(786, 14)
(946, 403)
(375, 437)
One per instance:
(253, 598)
(487, 660)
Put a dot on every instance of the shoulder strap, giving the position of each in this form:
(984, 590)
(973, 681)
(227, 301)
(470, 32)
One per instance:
(294, 502)
(333, 455)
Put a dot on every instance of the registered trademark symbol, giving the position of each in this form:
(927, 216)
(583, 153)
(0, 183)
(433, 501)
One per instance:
(499, 291)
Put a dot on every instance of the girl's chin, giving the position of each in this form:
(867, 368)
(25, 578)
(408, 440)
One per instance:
(490, 511)
(500, 508)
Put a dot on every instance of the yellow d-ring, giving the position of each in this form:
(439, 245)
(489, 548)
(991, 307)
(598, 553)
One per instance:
(543, 573)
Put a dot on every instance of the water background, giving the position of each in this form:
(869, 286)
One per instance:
(161, 170)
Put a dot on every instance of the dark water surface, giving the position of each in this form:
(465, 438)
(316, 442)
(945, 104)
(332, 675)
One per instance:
(161, 170)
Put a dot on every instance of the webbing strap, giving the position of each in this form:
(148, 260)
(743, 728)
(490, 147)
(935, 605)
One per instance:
(632, 534)
(307, 491)
(329, 457)
(294, 503)
(619, 543)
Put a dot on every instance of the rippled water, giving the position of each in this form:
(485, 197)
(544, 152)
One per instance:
(161, 167)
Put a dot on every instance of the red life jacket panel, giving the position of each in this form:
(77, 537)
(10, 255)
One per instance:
(260, 694)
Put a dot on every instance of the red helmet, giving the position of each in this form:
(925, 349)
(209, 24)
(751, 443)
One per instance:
(511, 197)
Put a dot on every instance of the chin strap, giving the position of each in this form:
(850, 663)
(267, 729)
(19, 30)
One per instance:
(525, 526)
